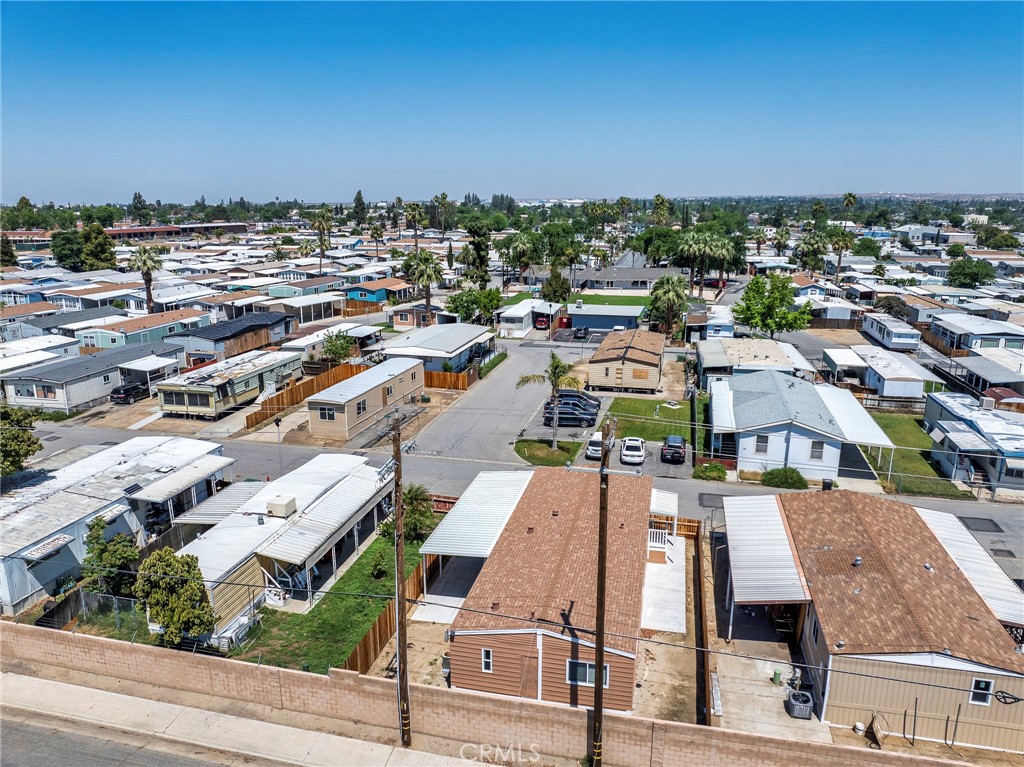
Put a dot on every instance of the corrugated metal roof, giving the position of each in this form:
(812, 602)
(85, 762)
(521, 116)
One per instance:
(340, 508)
(473, 525)
(857, 426)
(664, 502)
(723, 417)
(995, 587)
(761, 556)
(220, 506)
(182, 479)
(149, 364)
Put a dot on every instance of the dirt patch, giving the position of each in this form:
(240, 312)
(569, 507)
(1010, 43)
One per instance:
(111, 416)
(426, 645)
(840, 337)
(895, 744)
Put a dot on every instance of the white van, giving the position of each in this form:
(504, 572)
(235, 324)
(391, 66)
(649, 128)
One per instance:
(594, 446)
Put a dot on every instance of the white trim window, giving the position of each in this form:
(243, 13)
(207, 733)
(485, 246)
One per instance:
(981, 692)
(361, 407)
(582, 674)
(390, 391)
(326, 413)
(817, 450)
(761, 445)
(486, 660)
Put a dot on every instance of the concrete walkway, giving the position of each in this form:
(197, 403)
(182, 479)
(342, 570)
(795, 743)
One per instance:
(664, 600)
(221, 732)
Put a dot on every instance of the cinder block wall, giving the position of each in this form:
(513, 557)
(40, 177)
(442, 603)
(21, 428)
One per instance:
(451, 722)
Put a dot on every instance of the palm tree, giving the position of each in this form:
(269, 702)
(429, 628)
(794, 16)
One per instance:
(812, 248)
(306, 248)
(520, 248)
(278, 252)
(146, 261)
(841, 241)
(376, 234)
(322, 222)
(669, 294)
(661, 211)
(818, 209)
(760, 238)
(424, 269)
(558, 375)
(849, 200)
(625, 205)
(414, 216)
(441, 203)
(781, 241)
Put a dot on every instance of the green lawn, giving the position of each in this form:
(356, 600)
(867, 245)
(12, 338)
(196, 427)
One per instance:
(325, 636)
(515, 298)
(650, 419)
(492, 363)
(913, 473)
(539, 452)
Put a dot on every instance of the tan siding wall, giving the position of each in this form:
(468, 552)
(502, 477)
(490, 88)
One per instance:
(229, 599)
(815, 653)
(507, 653)
(855, 698)
(621, 676)
(346, 423)
(596, 376)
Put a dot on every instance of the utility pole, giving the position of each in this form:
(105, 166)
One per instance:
(596, 753)
(401, 642)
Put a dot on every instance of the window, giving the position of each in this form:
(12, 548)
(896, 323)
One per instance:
(762, 444)
(607, 372)
(1014, 343)
(390, 391)
(414, 375)
(814, 630)
(989, 343)
(817, 450)
(106, 378)
(580, 673)
(199, 400)
(403, 316)
(361, 407)
(981, 692)
(486, 661)
(326, 413)
(174, 398)
(113, 339)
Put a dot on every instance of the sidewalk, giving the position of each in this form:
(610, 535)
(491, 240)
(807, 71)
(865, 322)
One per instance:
(221, 732)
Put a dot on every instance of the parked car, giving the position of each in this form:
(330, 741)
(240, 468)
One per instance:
(674, 449)
(129, 393)
(714, 282)
(583, 332)
(594, 445)
(566, 394)
(542, 323)
(632, 451)
(570, 418)
(575, 404)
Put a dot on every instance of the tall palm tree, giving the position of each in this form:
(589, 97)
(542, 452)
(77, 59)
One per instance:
(322, 222)
(520, 248)
(812, 248)
(146, 261)
(625, 206)
(841, 241)
(781, 241)
(760, 238)
(818, 209)
(424, 269)
(377, 234)
(849, 200)
(441, 203)
(414, 216)
(558, 375)
(670, 293)
(278, 253)
(306, 248)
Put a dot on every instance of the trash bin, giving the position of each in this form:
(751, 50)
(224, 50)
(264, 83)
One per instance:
(424, 398)
(799, 704)
(826, 484)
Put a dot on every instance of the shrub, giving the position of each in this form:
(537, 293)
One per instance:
(787, 477)
(713, 470)
(379, 565)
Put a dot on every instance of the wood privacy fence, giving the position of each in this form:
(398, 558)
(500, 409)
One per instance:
(294, 395)
(459, 381)
(913, 405)
(380, 633)
(835, 324)
(939, 345)
(355, 308)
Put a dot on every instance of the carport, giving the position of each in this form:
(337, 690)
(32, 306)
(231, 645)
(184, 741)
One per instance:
(150, 365)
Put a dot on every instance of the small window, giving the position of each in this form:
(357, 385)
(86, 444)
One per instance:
(981, 692)
(414, 375)
(582, 674)
(607, 372)
(390, 391)
(113, 339)
(326, 413)
(762, 444)
(361, 407)
(814, 630)
(817, 450)
(106, 379)
(403, 316)
(989, 343)
(486, 661)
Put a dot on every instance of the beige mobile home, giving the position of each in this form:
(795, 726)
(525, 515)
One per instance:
(345, 409)
(628, 359)
(212, 390)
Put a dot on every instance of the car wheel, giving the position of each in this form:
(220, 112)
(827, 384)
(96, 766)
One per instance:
(587, 424)
(131, 400)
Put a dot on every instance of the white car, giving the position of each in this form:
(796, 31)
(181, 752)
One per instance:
(633, 450)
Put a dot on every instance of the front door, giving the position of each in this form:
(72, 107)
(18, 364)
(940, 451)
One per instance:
(528, 677)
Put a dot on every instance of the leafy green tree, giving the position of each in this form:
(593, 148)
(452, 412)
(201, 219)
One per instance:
(970, 273)
(766, 305)
(424, 270)
(106, 215)
(108, 563)
(464, 304)
(867, 247)
(7, 255)
(66, 248)
(359, 208)
(146, 261)
(906, 243)
(956, 250)
(97, 249)
(171, 588)
(322, 222)
(894, 306)
(670, 294)
(17, 442)
(1003, 241)
(337, 347)
(956, 220)
(288, 240)
(556, 288)
(558, 375)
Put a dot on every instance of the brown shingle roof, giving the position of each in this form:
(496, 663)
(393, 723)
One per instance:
(105, 287)
(890, 603)
(640, 346)
(20, 310)
(312, 283)
(221, 298)
(389, 283)
(544, 567)
(153, 321)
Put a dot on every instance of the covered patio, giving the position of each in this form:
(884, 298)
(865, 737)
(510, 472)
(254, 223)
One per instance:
(154, 369)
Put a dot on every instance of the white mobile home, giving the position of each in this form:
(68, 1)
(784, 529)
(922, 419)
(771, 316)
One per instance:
(891, 332)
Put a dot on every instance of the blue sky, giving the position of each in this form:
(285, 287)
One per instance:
(537, 100)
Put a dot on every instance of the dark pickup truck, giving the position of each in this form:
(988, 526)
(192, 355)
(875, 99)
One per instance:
(674, 450)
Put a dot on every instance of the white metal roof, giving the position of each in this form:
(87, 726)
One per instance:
(318, 336)
(296, 302)
(1000, 593)
(844, 358)
(362, 383)
(219, 507)
(723, 416)
(761, 556)
(664, 503)
(182, 479)
(306, 533)
(149, 364)
(473, 525)
(852, 418)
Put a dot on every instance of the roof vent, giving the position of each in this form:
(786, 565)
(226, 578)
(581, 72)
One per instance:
(840, 644)
(858, 591)
(858, 560)
(928, 566)
(554, 512)
(529, 530)
(946, 651)
(494, 605)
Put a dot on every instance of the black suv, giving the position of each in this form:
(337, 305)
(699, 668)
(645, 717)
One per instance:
(674, 450)
(129, 393)
(580, 332)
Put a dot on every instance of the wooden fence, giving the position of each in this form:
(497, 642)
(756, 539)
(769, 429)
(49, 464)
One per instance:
(834, 324)
(380, 633)
(442, 504)
(459, 381)
(355, 308)
(294, 395)
(939, 345)
(913, 405)
(177, 538)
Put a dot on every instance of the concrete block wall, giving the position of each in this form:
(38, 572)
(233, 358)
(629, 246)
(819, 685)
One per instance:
(452, 722)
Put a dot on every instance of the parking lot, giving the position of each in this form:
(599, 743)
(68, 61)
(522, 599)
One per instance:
(567, 335)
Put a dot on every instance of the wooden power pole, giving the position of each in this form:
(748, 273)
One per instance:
(401, 641)
(596, 749)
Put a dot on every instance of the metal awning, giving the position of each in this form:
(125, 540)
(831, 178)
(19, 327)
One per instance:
(1002, 595)
(178, 481)
(47, 548)
(473, 525)
(762, 560)
(664, 503)
(937, 435)
(1015, 463)
(149, 364)
(362, 331)
(220, 506)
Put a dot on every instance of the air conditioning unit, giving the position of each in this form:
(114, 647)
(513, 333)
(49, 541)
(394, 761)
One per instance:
(281, 506)
(579, 303)
(987, 403)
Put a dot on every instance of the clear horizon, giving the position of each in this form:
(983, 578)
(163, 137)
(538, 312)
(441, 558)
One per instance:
(314, 100)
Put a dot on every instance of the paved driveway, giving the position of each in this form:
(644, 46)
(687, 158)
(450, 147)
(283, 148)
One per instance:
(853, 464)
